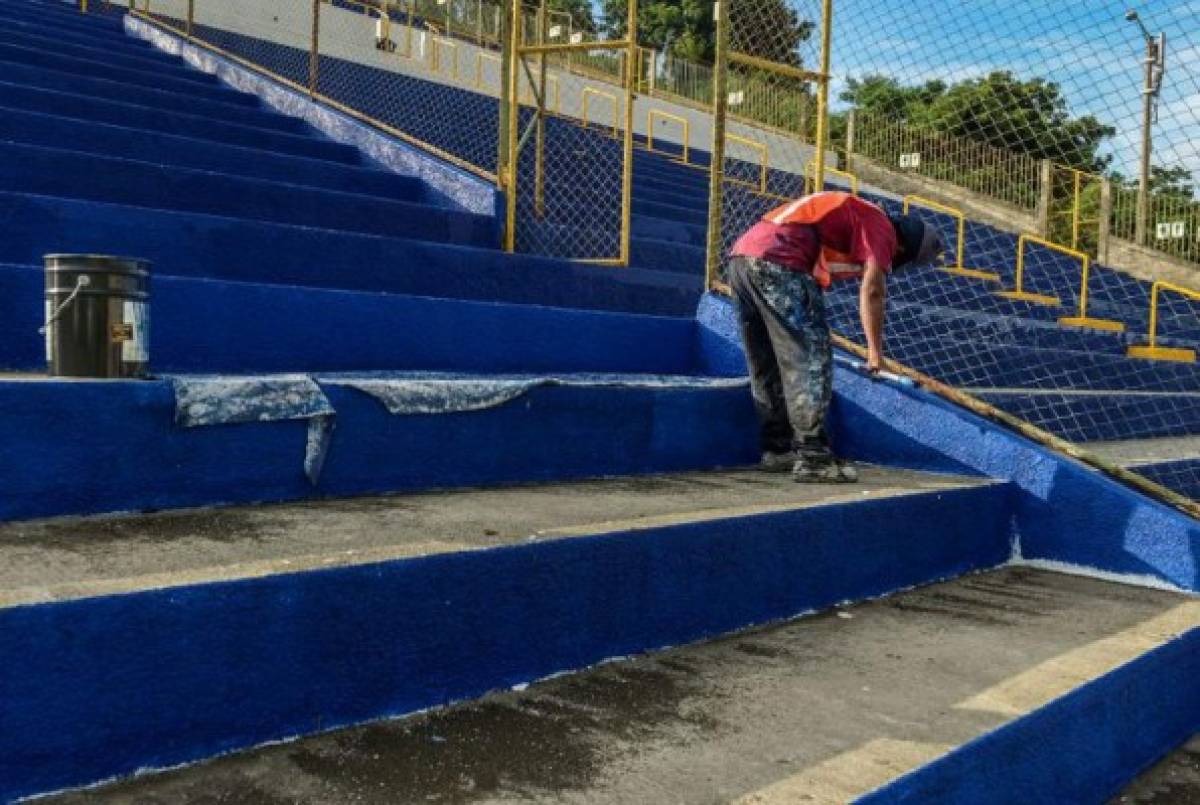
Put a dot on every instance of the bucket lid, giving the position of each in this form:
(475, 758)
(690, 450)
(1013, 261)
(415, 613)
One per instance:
(103, 262)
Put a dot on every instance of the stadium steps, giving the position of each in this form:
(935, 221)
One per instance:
(314, 613)
(826, 708)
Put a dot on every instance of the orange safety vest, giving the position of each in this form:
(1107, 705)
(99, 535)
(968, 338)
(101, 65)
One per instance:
(811, 210)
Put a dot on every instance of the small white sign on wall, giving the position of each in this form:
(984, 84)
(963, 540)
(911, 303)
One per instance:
(576, 37)
(737, 98)
(1170, 230)
(912, 160)
(555, 31)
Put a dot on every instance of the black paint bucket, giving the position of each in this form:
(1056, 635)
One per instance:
(97, 316)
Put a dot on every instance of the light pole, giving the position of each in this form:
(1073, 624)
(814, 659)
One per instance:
(1155, 65)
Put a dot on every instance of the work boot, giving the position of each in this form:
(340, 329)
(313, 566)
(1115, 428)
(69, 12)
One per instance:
(821, 467)
(776, 462)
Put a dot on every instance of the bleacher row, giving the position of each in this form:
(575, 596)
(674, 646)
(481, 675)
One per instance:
(275, 216)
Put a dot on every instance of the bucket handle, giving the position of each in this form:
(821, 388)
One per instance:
(81, 282)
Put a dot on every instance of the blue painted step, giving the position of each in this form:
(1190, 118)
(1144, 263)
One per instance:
(239, 106)
(31, 128)
(977, 364)
(548, 434)
(213, 326)
(254, 251)
(93, 36)
(136, 59)
(197, 126)
(70, 174)
(1083, 417)
(200, 84)
(35, 17)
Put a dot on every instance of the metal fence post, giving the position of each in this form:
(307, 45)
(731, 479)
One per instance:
(1045, 194)
(539, 191)
(1105, 223)
(502, 34)
(716, 195)
(512, 169)
(627, 173)
(314, 53)
(823, 93)
(191, 15)
(851, 125)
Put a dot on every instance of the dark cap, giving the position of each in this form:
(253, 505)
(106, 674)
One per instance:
(920, 243)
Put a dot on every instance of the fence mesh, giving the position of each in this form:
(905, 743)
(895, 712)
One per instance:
(570, 131)
(1019, 129)
(1028, 121)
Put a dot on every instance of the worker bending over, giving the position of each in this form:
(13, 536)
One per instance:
(778, 273)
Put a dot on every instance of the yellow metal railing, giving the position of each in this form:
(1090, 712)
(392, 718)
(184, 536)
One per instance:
(960, 246)
(1018, 292)
(764, 160)
(1083, 319)
(552, 90)
(480, 58)
(682, 122)
(1153, 351)
(436, 43)
(810, 171)
(592, 92)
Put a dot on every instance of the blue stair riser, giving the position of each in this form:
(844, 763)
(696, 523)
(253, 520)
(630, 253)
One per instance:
(975, 364)
(1106, 417)
(70, 174)
(183, 80)
(78, 107)
(211, 326)
(239, 106)
(252, 251)
(133, 58)
(548, 434)
(103, 36)
(162, 149)
(97, 26)
(667, 256)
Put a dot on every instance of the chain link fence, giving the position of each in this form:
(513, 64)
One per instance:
(1023, 132)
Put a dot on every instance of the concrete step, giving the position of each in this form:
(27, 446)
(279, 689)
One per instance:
(825, 709)
(70, 174)
(93, 35)
(223, 129)
(211, 247)
(51, 131)
(507, 586)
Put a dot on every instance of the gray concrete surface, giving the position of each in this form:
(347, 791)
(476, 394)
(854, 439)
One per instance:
(817, 710)
(73, 557)
(1174, 781)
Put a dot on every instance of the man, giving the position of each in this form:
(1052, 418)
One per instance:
(778, 273)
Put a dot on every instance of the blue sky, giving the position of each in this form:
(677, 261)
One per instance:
(1084, 45)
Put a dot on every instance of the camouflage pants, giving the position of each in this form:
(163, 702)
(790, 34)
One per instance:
(782, 318)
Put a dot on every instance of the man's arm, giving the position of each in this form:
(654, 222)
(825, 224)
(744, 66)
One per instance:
(871, 308)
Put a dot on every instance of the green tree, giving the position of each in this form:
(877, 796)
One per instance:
(770, 29)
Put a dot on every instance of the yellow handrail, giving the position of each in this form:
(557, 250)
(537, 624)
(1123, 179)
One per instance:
(528, 97)
(1018, 292)
(435, 43)
(764, 153)
(653, 114)
(850, 178)
(953, 212)
(588, 92)
(1152, 351)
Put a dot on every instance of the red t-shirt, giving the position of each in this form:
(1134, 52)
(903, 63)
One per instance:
(857, 229)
